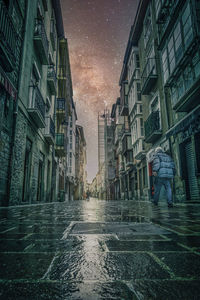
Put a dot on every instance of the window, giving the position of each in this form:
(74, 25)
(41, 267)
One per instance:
(165, 65)
(171, 54)
(137, 61)
(188, 77)
(180, 87)
(187, 26)
(141, 127)
(196, 64)
(178, 42)
(147, 26)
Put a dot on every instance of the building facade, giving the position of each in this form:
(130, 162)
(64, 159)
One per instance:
(12, 24)
(80, 164)
(36, 102)
(159, 98)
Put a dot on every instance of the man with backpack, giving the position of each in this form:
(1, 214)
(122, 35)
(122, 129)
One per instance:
(163, 172)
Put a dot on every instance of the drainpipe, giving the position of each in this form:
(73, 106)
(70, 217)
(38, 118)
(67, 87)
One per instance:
(15, 113)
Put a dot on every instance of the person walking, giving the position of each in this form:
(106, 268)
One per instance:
(163, 171)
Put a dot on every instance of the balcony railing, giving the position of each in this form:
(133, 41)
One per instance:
(138, 149)
(118, 135)
(8, 38)
(121, 167)
(162, 10)
(129, 158)
(152, 127)
(41, 41)
(60, 148)
(53, 34)
(62, 71)
(126, 143)
(37, 107)
(149, 76)
(49, 132)
(124, 107)
(51, 79)
(60, 108)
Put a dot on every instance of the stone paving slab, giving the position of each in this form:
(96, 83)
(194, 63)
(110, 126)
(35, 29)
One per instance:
(66, 290)
(24, 265)
(143, 237)
(106, 266)
(118, 228)
(112, 250)
(184, 265)
(152, 246)
(166, 289)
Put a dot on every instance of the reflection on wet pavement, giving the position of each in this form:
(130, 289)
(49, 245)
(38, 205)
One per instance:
(100, 250)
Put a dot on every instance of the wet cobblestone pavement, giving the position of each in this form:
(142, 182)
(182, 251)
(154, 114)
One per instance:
(100, 250)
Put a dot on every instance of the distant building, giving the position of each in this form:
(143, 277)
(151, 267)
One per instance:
(81, 161)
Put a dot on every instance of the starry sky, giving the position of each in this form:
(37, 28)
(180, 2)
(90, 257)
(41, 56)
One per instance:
(97, 33)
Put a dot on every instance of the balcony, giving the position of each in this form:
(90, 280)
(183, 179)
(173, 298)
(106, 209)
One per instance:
(8, 40)
(41, 41)
(152, 127)
(162, 11)
(53, 35)
(52, 80)
(118, 134)
(60, 108)
(124, 107)
(138, 150)
(121, 167)
(149, 76)
(60, 149)
(36, 108)
(49, 132)
(126, 143)
(129, 159)
(45, 5)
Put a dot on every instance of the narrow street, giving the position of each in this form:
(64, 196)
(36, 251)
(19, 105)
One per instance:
(90, 250)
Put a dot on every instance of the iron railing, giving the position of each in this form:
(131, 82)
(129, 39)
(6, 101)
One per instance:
(50, 126)
(61, 102)
(41, 33)
(38, 101)
(152, 124)
(60, 139)
(7, 33)
(52, 74)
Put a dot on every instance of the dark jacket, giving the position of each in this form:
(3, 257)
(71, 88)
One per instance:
(163, 165)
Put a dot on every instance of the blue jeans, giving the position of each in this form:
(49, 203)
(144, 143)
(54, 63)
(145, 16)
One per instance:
(158, 183)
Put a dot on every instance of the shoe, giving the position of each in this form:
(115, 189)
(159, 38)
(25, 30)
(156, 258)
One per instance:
(170, 204)
(155, 203)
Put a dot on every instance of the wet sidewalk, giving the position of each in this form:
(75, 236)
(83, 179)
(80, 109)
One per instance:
(92, 250)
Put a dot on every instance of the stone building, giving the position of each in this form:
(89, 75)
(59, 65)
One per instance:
(33, 163)
(81, 161)
(71, 154)
(12, 25)
(159, 96)
(64, 115)
(178, 27)
(36, 102)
